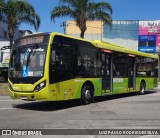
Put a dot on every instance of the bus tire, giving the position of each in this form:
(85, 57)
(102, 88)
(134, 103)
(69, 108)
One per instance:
(142, 87)
(87, 94)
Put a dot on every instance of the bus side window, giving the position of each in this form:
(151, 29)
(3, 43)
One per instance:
(41, 61)
(53, 56)
(81, 67)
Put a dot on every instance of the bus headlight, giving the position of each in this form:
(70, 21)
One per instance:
(40, 86)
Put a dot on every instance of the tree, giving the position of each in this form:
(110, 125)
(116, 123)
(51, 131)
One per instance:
(16, 12)
(82, 11)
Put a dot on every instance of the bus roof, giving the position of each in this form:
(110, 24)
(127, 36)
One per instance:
(113, 47)
(105, 45)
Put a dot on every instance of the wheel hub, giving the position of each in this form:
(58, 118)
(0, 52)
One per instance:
(88, 94)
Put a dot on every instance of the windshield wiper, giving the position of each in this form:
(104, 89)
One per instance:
(32, 53)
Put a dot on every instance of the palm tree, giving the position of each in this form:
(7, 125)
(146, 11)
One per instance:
(16, 12)
(82, 11)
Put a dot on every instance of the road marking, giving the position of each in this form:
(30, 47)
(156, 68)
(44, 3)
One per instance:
(6, 100)
(8, 108)
(10, 100)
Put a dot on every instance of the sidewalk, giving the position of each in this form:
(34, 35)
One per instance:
(4, 89)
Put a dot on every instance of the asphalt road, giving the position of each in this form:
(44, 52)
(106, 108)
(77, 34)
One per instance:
(125, 111)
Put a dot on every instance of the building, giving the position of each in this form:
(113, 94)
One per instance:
(4, 40)
(94, 30)
(24, 32)
(5, 47)
(4, 31)
(133, 34)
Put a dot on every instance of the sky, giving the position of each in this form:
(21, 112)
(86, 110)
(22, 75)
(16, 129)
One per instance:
(122, 10)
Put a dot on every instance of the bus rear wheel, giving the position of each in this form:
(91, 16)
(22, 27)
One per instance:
(87, 94)
(142, 87)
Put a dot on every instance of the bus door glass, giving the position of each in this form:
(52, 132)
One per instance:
(106, 72)
(131, 71)
(61, 62)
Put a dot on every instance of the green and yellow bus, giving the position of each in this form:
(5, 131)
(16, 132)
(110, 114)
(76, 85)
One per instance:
(57, 67)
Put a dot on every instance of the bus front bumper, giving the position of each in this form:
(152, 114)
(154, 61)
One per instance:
(30, 96)
(22, 95)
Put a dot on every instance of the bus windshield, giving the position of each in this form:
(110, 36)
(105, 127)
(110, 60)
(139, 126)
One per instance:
(28, 61)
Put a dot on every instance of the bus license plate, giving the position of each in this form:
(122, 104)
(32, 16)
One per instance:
(24, 98)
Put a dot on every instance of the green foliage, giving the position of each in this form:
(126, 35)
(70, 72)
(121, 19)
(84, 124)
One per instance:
(82, 11)
(17, 12)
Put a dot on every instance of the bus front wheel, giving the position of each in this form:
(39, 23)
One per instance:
(86, 94)
(142, 87)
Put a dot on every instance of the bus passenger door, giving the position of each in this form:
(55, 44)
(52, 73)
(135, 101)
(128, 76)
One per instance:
(106, 73)
(131, 72)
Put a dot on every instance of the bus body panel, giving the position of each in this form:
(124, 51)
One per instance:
(150, 83)
(28, 92)
(72, 88)
(120, 85)
(66, 90)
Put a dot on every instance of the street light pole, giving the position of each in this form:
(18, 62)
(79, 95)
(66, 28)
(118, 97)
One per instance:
(64, 27)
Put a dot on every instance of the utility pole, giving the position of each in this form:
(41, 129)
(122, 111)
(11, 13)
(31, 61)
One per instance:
(64, 27)
(101, 29)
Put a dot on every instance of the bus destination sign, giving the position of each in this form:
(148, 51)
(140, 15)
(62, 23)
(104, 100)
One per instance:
(30, 40)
